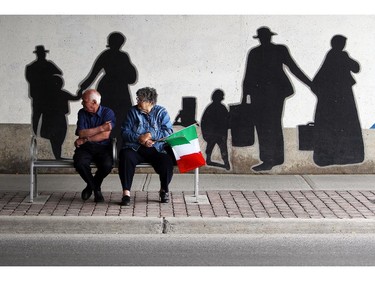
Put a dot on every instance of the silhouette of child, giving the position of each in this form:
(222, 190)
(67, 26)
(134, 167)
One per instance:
(215, 125)
(54, 124)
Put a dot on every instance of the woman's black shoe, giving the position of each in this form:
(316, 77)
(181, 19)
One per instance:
(164, 197)
(125, 201)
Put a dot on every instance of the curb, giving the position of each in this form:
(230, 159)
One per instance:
(268, 226)
(80, 225)
(131, 225)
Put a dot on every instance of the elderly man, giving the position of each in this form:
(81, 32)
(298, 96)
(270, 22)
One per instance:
(93, 144)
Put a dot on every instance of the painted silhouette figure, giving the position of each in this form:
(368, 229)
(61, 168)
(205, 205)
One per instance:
(338, 134)
(215, 125)
(118, 73)
(54, 125)
(39, 74)
(268, 85)
(186, 116)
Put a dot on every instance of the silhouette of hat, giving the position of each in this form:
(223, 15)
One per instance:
(264, 31)
(40, 49)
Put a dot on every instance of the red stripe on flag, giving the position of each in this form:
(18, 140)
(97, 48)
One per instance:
(190, 162)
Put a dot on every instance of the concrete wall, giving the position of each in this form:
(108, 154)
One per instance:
(182, 56)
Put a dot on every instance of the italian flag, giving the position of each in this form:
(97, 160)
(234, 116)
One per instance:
(186, 149)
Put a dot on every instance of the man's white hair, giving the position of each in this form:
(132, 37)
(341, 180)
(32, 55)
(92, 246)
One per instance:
(94, 95)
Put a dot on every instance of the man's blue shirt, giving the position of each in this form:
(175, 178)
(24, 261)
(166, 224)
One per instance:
(137, 123)
(88, 120)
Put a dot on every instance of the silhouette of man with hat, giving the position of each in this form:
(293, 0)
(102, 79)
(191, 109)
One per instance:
(268, 85)
(39, 75)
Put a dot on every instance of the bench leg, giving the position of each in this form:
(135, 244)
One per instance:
(36, 183)
(32, 179)
(33, 184)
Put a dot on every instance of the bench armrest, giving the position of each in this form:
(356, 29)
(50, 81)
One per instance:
(33, 149)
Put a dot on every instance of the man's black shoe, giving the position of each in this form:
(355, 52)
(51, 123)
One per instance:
(98, 196)
(86, 193)
(164, 197)
(125, 201)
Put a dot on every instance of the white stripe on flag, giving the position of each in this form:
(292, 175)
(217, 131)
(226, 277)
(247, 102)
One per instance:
(186, 149)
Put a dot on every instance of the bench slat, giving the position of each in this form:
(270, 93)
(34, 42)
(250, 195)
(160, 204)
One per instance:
(68, 163)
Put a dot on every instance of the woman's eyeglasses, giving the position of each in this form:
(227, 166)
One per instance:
(142, 100)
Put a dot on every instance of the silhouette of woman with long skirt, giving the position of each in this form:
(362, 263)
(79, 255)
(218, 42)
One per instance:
(113, 86)
(338, 134)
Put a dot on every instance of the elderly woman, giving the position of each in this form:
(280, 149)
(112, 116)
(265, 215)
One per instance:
(144, 126)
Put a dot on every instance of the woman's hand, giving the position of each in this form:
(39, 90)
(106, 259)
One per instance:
(143, 138)
(149, 143)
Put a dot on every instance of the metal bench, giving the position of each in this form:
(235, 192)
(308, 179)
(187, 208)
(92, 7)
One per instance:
(36, 163)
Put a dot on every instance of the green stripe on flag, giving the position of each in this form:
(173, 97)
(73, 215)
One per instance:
(189, 133)
(177, 141)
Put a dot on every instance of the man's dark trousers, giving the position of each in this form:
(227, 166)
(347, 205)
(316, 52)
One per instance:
(99, 154)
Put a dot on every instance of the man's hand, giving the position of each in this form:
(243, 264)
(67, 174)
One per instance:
(78, 142)
(107, 126)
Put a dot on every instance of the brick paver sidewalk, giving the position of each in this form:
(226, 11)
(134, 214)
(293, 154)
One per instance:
(236, 204)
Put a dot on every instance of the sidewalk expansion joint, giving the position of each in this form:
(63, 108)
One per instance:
(166, 226)
(309, 182)
(146, 183)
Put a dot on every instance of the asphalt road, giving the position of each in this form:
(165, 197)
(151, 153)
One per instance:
(187, 250)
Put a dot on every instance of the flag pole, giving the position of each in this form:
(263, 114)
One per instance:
(196, 183)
